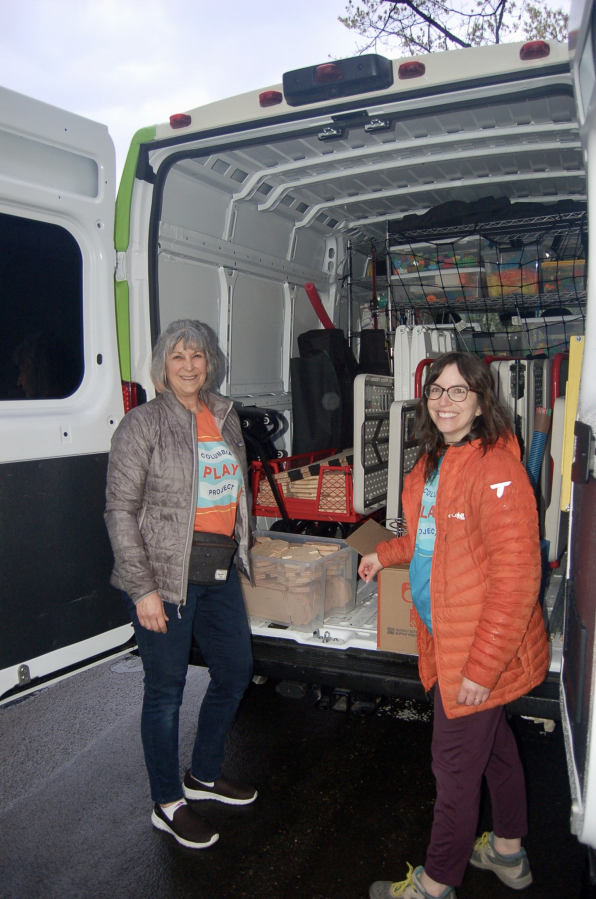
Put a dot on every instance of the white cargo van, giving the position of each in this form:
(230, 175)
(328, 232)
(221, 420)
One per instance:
(224, 214)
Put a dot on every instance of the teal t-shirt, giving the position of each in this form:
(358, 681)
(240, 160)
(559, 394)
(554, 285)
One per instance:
(422, 559)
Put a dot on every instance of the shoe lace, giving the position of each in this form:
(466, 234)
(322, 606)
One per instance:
(398, 889)
(483, 841)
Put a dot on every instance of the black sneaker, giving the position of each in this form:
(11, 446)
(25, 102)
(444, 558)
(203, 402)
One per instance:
(187, 828)
(222, 791)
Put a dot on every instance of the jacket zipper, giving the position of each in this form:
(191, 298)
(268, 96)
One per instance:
(193, 500)
(430, 584)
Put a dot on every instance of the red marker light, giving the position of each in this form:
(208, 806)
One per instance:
(180, 120)
(270, 98)
(412, 69)
(534, 50)
(129, 395)
(328, 72)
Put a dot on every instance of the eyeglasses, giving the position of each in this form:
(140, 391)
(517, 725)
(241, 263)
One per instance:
(455, 394)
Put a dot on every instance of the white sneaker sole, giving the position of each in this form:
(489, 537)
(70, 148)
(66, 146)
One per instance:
(198, 795)
(161, 825)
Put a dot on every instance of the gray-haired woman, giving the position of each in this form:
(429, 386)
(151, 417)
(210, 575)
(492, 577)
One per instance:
(177, 471)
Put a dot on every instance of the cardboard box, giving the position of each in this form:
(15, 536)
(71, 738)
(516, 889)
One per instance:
(396, 628)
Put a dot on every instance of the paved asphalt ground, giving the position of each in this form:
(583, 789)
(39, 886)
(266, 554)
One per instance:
(344, 799)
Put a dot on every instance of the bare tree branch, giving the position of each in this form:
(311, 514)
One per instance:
(427, 25)
(432, 22)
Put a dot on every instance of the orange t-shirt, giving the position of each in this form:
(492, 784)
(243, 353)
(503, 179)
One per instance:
(220, 480)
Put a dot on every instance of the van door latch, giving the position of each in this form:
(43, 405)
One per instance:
(120, 272)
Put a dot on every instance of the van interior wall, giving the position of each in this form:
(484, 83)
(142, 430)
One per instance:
(246, 226)
(250, 301)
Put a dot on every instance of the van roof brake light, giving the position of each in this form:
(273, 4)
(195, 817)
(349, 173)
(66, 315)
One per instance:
(342, 78)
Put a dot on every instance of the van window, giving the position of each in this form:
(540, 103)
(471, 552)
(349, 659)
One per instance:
(41, 310)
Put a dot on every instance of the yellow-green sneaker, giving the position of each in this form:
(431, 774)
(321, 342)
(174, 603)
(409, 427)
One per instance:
(513, 870)
(410, 888)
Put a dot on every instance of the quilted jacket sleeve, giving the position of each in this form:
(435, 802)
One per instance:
(508, 522)
(130, 457)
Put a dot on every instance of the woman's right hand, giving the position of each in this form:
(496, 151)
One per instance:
(151, 613)
(369, 566)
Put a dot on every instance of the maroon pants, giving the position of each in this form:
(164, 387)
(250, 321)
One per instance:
(463, 750)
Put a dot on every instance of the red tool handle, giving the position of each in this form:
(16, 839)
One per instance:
(317, 305)
(418, 376)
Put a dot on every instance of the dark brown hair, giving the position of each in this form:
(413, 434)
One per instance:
(492, 423)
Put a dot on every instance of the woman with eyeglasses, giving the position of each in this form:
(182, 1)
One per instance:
(474, 554)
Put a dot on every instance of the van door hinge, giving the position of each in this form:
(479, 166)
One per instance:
(120, 271)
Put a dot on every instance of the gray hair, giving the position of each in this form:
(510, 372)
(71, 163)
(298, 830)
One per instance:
(194, 336)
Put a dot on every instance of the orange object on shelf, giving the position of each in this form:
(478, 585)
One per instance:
(517, 279)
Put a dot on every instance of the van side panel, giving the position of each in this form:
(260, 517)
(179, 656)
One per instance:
(55, 557)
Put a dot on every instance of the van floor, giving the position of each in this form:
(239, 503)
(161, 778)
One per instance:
(344, 799)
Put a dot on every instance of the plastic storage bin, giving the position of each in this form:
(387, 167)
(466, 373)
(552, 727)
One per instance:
(563, 276)
(549, 335)
(300, 581)
(423, 257)
(501, 343)
(441, 285)
(507, 279)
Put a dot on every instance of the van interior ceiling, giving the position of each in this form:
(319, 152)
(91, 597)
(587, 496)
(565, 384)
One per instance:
(251, 222)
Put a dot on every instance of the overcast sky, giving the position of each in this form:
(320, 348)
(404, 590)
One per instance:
(132, 63)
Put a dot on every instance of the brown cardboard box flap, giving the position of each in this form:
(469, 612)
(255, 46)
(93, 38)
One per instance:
(368, 536)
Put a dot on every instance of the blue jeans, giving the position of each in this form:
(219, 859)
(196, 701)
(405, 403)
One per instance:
(216, 616)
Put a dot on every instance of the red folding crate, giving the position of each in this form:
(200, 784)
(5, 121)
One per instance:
(334, 490)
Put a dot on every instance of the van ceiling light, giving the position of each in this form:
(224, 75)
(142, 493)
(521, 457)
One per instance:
(180, 120)
(342, 78)
(534, 50)
(270, 98)
(412, 69)
(328, 72)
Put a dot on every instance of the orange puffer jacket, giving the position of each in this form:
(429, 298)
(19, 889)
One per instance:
(485, 576)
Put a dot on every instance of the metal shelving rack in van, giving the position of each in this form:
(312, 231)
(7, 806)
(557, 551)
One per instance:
(510, 286)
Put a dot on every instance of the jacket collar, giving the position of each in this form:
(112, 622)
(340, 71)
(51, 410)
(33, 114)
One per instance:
(217, 405)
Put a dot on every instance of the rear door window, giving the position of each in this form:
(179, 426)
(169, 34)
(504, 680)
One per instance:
(41, 310)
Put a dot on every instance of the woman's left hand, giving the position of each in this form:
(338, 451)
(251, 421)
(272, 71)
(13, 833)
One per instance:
(471, 693)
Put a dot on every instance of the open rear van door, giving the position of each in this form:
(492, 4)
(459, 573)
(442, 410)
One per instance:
(579, 667)
(60, 391)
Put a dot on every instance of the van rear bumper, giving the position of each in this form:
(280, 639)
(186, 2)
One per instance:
(378, 673)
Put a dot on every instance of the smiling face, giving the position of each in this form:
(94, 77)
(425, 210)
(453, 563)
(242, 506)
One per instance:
(186, 372)
(454, 420)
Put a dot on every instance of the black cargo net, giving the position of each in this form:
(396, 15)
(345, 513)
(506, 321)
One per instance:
(514, 287)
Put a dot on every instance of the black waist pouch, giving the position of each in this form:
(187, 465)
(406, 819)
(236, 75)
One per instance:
(210, 558)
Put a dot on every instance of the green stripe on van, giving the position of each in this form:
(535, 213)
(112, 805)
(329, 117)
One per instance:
(121, 241)
(124, 198)
(123, 327)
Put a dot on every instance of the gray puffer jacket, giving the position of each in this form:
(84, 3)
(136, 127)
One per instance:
(152, 495)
